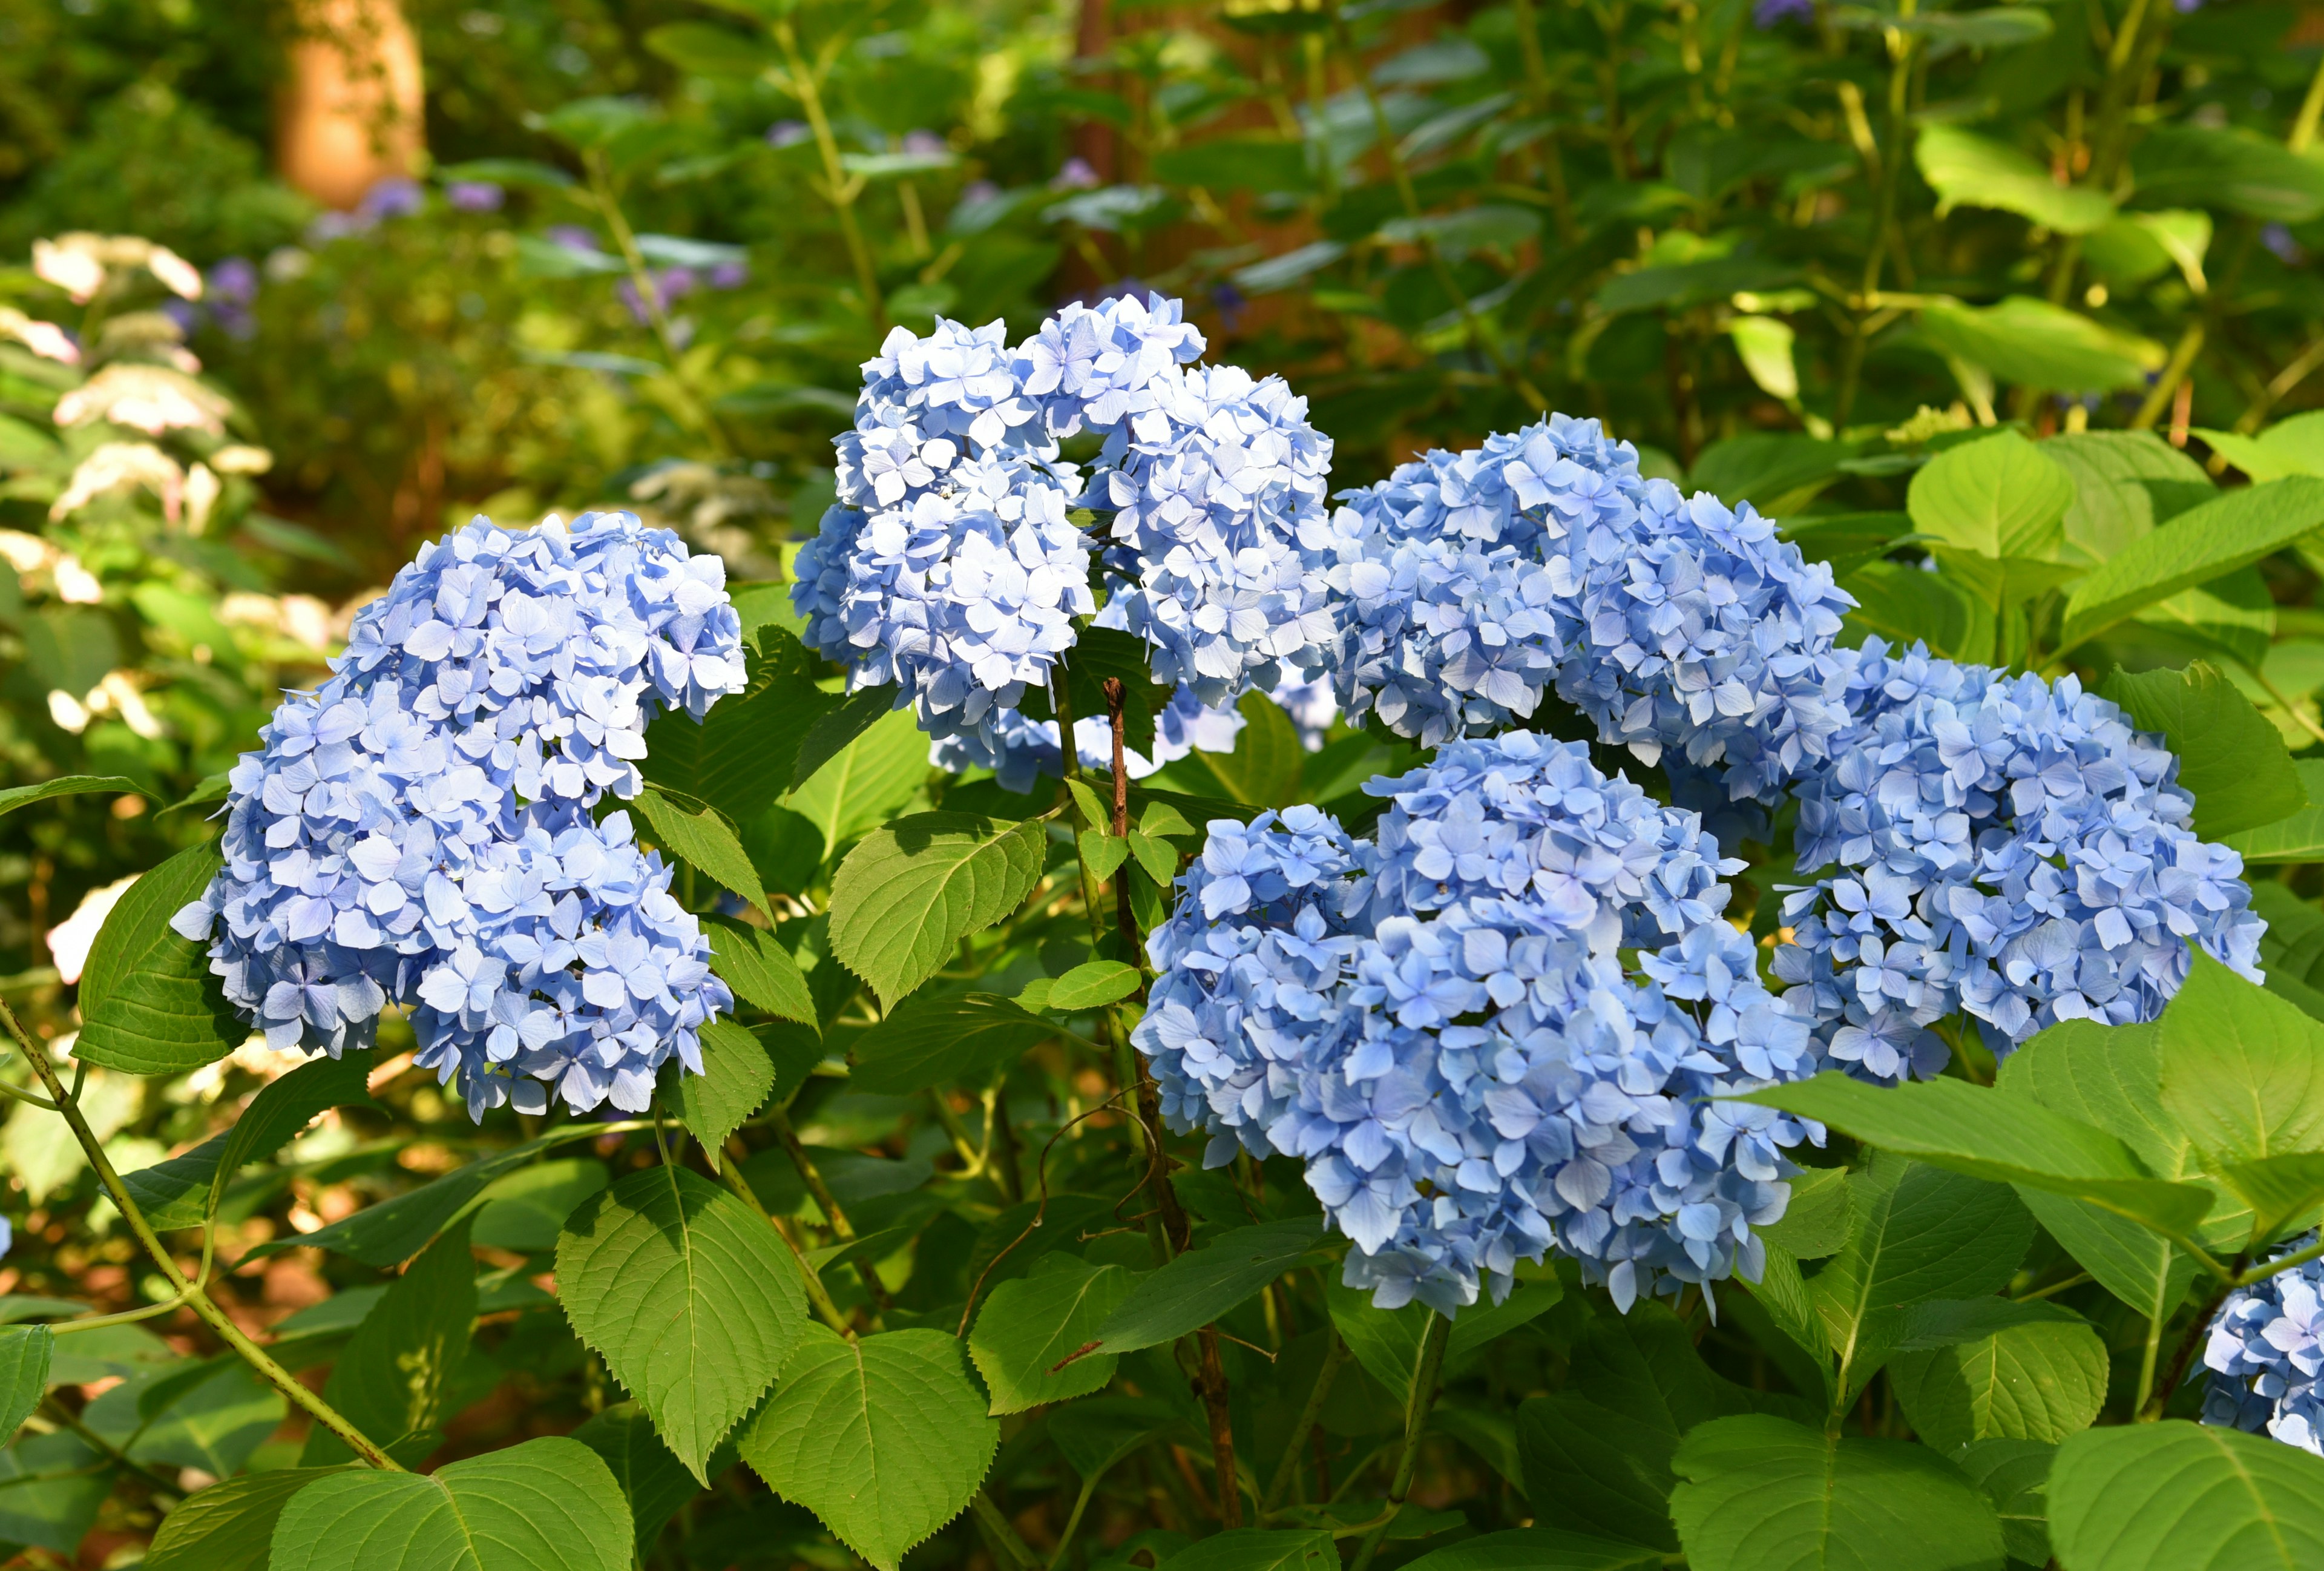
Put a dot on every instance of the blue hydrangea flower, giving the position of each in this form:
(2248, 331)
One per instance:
(419, 831)
(2265, 1351)
(1441, 1025)
(1998, 845)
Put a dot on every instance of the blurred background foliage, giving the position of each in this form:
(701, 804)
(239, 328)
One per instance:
(632, 252)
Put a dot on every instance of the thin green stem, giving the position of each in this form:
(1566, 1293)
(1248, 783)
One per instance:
(608, 203)
(818, 1296)
(2147, 1358)
(195, 1296)
(1892, 156)
(841, 1228)
(2311, 108)
(57, 1413)
(1415, 1418)
(1003, 1533)
(840, 188)
(1335, 1354)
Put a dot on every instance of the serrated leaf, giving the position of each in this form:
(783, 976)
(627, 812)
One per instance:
(2015, 1475)
(739, 757)
(545, 1505)
(1031, 1324)
(1104, 853)
(698, 834)
(912, 889)
(1203, 1284)
(391, 1380)
(2230, 756)
(688, 1296)
(177, 1193)
(1764, 1494)
(877, 776)
(1093, 984)
(2242, 1069)
(2209, 541)
(2297, 837)
(884, 1438)
(148, 1003)
(2172, 1495)
(736, 1079)
(2043, 1379)
(933, 1041)
(1993, 510)
(23, 1374)
(653, 1481)
(229, 1525)
(761, 971)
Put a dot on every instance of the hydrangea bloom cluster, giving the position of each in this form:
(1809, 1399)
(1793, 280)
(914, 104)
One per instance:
(2266, 1353)
(951, 565)
(419, 829)
(1477, 581)
(1999, 844)
(1439, 1024)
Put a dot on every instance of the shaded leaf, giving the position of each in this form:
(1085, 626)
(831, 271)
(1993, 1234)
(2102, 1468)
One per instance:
(148, 1003)
(2229, 755)
(545, 1505)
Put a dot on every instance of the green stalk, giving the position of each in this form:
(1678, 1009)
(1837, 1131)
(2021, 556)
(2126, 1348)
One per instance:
(609, 207)
(842, 1229)
(194, 1297)
(818, 1295)
(1415, 1418)
(840, 188)
(1335, 1354)
(1900, 48)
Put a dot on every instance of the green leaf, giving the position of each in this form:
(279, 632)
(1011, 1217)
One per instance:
(928, 1040)
(1916, 1234)
(884, 1438)
(833, 733)
(2015, 1475)
(179, 1192)
(1966, 170)
(391, 1380)
(1096, 1433)
(1102, 851)
(1904, 602)
(2173, 1496)
(876, 777)
(689, 1297)
(525, 1210)
(698, 834)
(1203, 1284)
(2008, 1140)
(736, 1079)
(654, 1482)
(2126, 485)
(1237, 163)
(760, 970)
(1764, 1494)
(2229, 171)
(2282, 1191)
(209, 1414)
(69, 785)
(1266, 763)
(1538, 1550)
(1031, 1325)
(545, 1505)
(2035, 344)
(23, 1374)
(910, 890)
(1385, 1341)
(228, 1526)
(1259, 1550)
(2298, 837)
(2041, 1380)
(1999, 496)
(1814, 1222)
(51, 1487)
(2231, 618)
(1768, 469)
(739, 758)
(1093, 984)
(2209, 541)
(148, 1003)
(1484, 1322)
(2229, 755)
(2242, 1070)
(395, 1230)
(704, 50)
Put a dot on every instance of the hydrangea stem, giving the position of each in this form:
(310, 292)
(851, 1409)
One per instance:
(1335, 1354)
(818, 1295)
(194, 1298)
(841, 1228)
(1416, 1419)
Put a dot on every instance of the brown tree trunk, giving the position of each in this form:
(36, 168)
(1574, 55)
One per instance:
(351, 114)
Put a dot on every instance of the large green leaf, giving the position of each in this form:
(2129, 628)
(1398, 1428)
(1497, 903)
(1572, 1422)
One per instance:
(23, 1374)
(2126, 483)
(177, 1193)
(51, 1487)
(1259, 1550)
(1916, 1234)
(2035, 344)
(2043, 1380)
(1031, 1324)
(1267, 763)
(1203, 1284)
(148, 1003)
(209, 1414)
(1992, 511)
(1966, 170)
(739, 758)
(545, 1505)
(2209, 542)
(930, 1040)
(1764, 1494)
(760, 970)
(2175, 1496)
(699, 836)
(229, 1525)
(2015, 1475)
(911, 890)
(875, 775)
(2228, 170)
(2298, 837)
(884, 1438)
(526, 1211)
(654, 1482)
(688, 1296)
(2229, 755)
(1538, 1550)
(736, 1079)
(1904, 602)
(393, 1380)
(2004, 1140)
(834, 732)
(2242, 1070)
